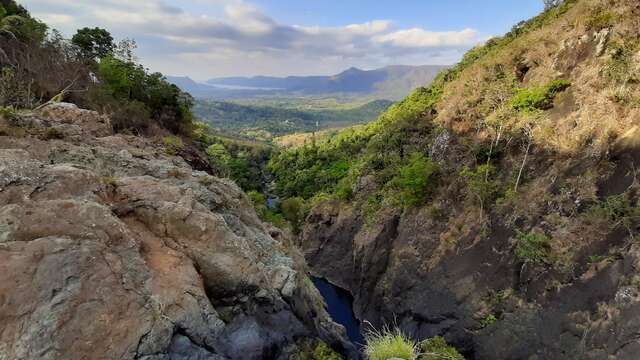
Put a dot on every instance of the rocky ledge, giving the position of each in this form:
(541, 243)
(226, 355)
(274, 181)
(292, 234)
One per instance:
(112, 249)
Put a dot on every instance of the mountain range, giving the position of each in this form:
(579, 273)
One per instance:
(391, 82)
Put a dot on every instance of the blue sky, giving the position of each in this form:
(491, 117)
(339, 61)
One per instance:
(211, 38)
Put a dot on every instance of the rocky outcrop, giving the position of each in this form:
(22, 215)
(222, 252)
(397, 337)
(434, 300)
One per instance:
(111, 249)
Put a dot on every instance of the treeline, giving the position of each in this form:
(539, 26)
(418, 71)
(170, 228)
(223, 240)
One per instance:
(38, 65)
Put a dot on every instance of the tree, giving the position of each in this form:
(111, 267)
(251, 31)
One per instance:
(293, 211)
(94, 43)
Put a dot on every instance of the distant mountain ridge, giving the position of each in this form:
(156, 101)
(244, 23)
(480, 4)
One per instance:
(391, 82)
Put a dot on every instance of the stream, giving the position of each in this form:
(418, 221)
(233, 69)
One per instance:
(340, 308)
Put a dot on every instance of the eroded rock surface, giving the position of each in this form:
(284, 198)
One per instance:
(110, 249)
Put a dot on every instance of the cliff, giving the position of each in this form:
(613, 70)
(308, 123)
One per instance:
(110, 248)
(498, 207)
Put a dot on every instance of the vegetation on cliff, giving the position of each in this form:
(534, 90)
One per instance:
(520, 160)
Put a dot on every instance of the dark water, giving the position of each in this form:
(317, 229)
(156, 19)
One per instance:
(340, 307)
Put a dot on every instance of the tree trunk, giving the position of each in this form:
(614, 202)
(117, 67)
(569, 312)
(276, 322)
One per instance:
(524, 161)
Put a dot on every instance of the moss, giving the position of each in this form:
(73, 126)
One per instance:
(315, 350)
(437, 348)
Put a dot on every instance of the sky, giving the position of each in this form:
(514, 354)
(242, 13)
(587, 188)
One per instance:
(214, 38)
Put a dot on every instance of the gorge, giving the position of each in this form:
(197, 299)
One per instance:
(491, 214)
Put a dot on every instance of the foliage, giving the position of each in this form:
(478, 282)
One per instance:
(16, 20)
(617, 209)
(128, 82)
(532, 246)
(539, 97)
(293, 210)
(37, 65)
(437, 348)
(414, 180)
(269, 215)
(387, 344)
(315, 350)
(93, 43)
(488, 320)
(244, 162)
(173, 144)
(480, 183)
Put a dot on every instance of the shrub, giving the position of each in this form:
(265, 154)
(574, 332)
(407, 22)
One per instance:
(129, 116)
(173, 144)
(488, 320)
(539, 97)
(315, 350)
(437, 348)
(387, 344)
(414, 180)
(616, 209)
(479, 181)
(532, 246)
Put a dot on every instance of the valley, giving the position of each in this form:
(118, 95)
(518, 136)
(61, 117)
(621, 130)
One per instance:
(485, 210)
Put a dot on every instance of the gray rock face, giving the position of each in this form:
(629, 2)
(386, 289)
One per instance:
(388, 268)
(110, 249)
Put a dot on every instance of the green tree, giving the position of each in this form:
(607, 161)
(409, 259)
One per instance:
(94, 43)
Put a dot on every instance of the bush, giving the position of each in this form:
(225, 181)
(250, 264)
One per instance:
(414, 180)
(387, 344)
(173, 144)
(532, 246)
(539, 97)
(616, 209)
(479, 182)
(488, 320)
(437, 348)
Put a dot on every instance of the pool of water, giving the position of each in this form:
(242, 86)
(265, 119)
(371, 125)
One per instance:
(340, 307)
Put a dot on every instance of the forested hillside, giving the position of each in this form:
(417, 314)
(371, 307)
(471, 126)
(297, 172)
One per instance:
(497, 207)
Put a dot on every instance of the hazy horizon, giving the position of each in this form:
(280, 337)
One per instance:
(206, 39)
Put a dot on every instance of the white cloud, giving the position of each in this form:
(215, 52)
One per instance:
(419, 38)
(236, 37)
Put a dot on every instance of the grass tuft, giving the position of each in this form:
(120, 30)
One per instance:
(387, 344)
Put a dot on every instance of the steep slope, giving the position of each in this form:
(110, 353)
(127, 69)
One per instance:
(499, 206)
(112, 249)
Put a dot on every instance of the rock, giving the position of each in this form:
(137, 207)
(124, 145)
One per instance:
(111, 249)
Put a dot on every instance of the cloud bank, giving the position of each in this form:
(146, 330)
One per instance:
(237, 38)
